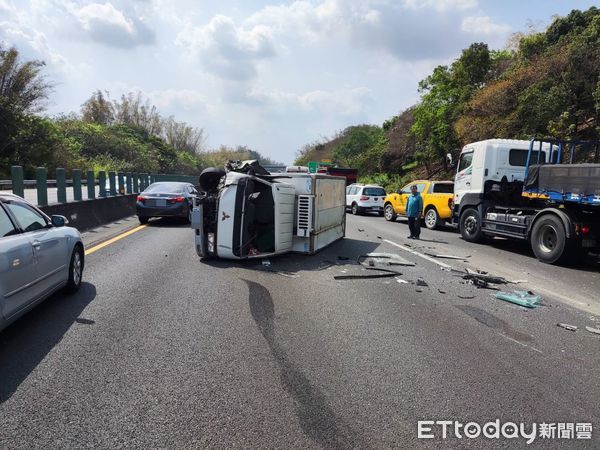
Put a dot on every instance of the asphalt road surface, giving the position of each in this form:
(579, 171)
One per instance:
(159, 349)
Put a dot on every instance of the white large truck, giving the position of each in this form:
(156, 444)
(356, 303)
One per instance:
(246, 212)
(544, 191)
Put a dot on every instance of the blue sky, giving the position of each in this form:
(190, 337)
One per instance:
(274, 76)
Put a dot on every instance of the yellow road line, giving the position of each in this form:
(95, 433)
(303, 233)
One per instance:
(89, 251)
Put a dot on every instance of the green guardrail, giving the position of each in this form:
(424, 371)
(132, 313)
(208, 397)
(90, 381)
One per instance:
(71, 189)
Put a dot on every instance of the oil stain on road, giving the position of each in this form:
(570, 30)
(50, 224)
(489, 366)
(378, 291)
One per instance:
(316, 418)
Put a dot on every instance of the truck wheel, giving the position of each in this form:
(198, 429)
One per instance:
(549, 241)
(432, 218)
(470, 225)
(354, 209)
(388, 213)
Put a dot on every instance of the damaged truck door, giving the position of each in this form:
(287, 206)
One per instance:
(246, 212)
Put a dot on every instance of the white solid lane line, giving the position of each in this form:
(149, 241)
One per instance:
(414, 252)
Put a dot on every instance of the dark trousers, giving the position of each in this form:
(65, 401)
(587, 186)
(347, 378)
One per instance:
(414, 224)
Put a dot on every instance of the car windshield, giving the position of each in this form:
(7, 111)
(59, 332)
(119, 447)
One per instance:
(165, 188)
(373, 191)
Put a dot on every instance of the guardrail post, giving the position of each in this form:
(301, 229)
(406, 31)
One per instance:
(76, 175)
(102, 183)
(128, 183)
(61, 185)
(136, 182)
(112, 183)
(41, 179)
(121, 179)
(18, 187)
(91, 185)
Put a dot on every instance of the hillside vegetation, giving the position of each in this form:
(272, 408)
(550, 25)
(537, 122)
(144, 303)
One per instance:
(545, 84)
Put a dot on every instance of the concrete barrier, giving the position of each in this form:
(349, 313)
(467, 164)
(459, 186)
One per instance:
(88, 214)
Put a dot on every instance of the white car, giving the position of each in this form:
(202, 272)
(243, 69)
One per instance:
(364, 198)
(38, 255)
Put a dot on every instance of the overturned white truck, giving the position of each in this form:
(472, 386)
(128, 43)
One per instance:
(246, 212)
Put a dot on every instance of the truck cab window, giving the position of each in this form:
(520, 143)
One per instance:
(518, 157)
(466, 159)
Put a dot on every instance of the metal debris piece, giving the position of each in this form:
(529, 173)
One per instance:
(401, 281)
(266, 262)
(441, 291)
(522, 298)
(517, 281)
(379, 237)
(421, 282)
(434, 255)
(593, 330)
(356, 277)
(484, 278)
(418, 290)
(388, 259)
(343, 258)
(361, 230)
(566, 326)
(465, 296)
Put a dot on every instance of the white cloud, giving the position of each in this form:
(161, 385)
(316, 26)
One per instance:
(96, 15)
(107, 25)
(484, 25)
(226, 50)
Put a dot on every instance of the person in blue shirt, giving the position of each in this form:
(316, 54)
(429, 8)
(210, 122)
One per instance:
(414, 209)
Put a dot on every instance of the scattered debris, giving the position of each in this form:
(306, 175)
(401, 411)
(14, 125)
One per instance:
(447, 256)
(379, 237)
(287, 274)
(418, 290)
(593, 330)
(387, 259)
(441, 291)
(343, 258)
(517, 281)
(522, 298)
(566, 326)
(266, 262)
(421, 282)
(465, 296)
(361, 230)
(483, 280)
(401, 281)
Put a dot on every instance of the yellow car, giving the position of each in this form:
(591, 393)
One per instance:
(437, 202)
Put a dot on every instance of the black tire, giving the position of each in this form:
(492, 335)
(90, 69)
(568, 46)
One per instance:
(389, 213)
(75, 270)
(355, 209)
(549, 240)
(431, 218)
(210, 178)
(470, 225)
(143, 219)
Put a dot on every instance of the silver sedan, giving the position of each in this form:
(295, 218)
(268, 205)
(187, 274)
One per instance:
(38, 256)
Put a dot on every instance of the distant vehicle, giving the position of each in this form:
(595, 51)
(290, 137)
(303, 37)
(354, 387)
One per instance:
(437, 202)
(38, 256)
(351, 175)
(364, 198)
(166, 199)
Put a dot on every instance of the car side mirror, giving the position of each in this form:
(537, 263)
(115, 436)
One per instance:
(59, 221)
(451, 164)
